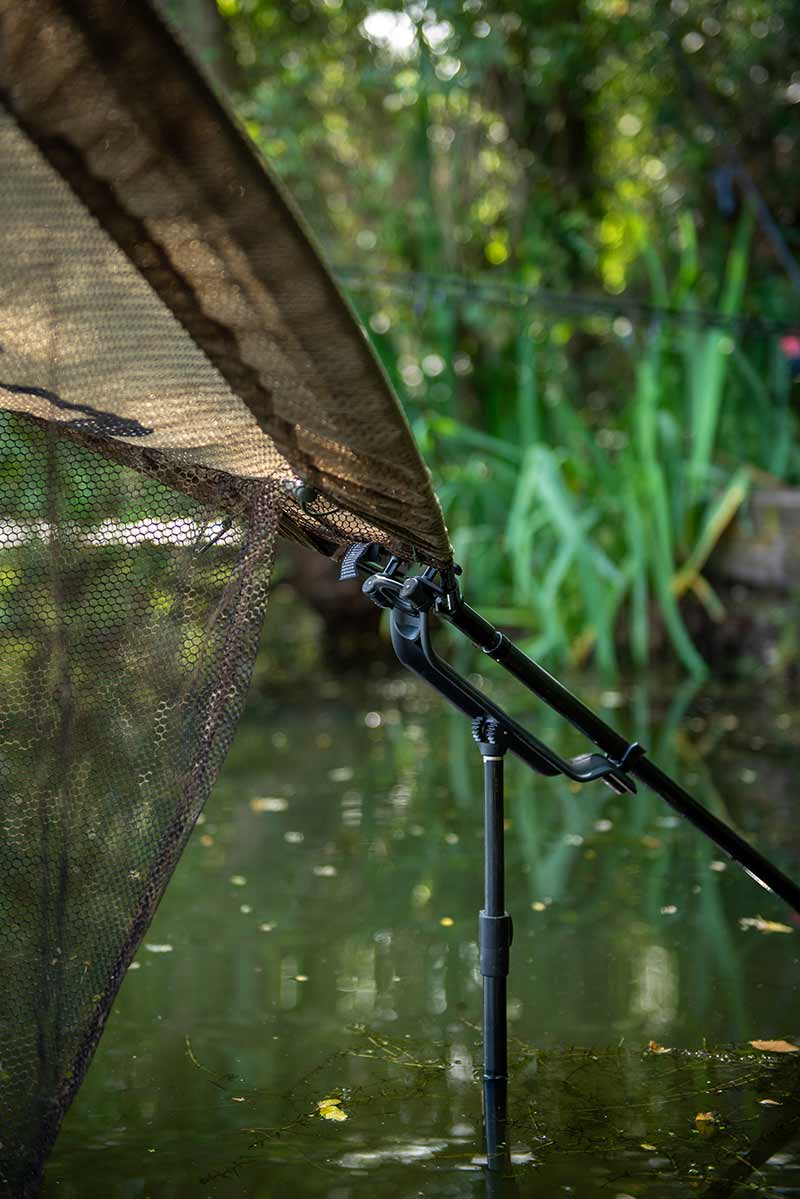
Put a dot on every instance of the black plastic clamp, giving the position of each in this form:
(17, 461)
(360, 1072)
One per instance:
(491, 737)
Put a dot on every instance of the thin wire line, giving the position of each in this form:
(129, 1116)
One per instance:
(424, 285)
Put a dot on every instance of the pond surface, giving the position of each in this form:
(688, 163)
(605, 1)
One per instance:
(318, 941)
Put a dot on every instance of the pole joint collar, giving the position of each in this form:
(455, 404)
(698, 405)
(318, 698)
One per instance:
(495, 934)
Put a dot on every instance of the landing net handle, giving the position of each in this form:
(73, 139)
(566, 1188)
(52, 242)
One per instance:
(413, 599)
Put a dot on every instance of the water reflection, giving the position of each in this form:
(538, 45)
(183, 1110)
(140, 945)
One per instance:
(324, 934)
(655, 997)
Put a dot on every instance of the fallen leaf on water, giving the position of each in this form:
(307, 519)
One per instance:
(764, 926)
(654, 1047)
(268, 803)
(705, 1123)
(776, 1046)
(644, 1145)
(447, 921)
(331, 1109)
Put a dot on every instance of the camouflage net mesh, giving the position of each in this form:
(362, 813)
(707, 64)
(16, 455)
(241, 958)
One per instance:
(179, 382)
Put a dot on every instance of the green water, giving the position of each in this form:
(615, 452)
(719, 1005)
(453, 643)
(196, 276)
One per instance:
(319, 940)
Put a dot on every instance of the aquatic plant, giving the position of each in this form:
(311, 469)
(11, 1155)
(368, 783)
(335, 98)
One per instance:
(588, 482)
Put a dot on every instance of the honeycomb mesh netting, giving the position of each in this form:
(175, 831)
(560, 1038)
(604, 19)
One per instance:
(129, 619)
(180, 382)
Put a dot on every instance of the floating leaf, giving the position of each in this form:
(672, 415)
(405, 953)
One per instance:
(331, 1109)
(644, 1145)
(269, 803)
(705, 1123)
(776, 1046)
(764, 926)
(654, 1047)
(447, 921)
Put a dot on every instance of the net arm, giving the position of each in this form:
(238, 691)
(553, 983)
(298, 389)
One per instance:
(414, 599)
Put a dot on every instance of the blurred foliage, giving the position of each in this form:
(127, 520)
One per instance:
(587, 464)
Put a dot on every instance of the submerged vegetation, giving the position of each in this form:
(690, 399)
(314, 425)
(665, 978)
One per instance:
(621, 1116)
(475, 171)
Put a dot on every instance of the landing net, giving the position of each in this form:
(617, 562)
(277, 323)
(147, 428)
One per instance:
(180, 382)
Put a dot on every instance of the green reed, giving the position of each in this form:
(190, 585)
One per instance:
(588, 468)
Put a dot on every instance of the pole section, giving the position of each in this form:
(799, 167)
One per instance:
(495, 934)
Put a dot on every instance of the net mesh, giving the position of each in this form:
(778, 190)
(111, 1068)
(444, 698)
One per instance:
(179, 382)
(128, 629)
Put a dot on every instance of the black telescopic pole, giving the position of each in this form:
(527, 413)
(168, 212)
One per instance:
(495, 933)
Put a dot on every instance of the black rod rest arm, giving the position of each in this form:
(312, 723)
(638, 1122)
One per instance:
(413, 599)
(411, 638)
